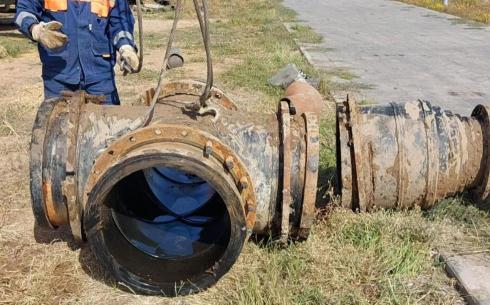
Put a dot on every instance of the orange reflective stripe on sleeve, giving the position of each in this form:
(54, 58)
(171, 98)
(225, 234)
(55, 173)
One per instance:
(101, 7)
(56, 5)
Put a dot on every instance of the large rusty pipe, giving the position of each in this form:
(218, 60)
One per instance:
(167, 208)
(407, 155)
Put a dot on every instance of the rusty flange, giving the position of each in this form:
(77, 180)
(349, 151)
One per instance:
(36, 162)
(311, 175)
(158, 133)
(285, 121)
(432, 155)
(482, 191)
(191, 88)
(53, 164)
(361, 177)
(70, 182)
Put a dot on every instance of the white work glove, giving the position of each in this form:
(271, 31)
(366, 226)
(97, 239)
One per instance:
(129, 60)
(49, 34)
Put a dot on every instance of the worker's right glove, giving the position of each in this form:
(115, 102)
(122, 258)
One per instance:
(49, 34)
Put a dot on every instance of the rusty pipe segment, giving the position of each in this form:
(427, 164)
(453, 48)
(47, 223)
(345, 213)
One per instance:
(407, 155)
(167, 208)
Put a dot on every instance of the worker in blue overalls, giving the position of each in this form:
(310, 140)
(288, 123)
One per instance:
(77, 42)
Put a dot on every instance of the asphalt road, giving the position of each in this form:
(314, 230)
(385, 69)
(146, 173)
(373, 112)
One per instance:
(402, 52)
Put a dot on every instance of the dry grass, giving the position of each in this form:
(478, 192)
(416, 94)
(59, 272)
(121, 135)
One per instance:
(477, 10)
(13, 44)
(379, 258)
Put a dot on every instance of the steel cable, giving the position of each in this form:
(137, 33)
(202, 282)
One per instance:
(204, 27)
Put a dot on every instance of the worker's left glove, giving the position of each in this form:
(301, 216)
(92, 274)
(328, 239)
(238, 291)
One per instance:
(129, 60)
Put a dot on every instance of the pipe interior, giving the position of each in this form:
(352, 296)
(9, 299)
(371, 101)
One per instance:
(169, 214)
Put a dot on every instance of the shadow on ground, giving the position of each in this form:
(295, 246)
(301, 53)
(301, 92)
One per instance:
(87, 259)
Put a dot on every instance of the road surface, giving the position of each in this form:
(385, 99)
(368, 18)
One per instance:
(402, 52)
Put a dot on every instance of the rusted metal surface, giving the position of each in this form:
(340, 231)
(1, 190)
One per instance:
(69, 184)
(406, 155)
(36, 160)
(285, 120)
(53, 164)
(481, 191)
(161, 133)
(302, 97)
(86, 149)
(188, 88)
(311, 175)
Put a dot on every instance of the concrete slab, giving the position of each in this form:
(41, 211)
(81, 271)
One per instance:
(472, 271)
(401, 52)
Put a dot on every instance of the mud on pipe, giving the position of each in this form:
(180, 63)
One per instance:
(407, 155)
(167, 208)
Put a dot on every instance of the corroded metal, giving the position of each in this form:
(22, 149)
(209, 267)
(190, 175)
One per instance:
(285, 120)
(302, 98)
(186, 88)
(311, 174)
(36, 162)
(81, 150)
(406, 155)
(167, 133)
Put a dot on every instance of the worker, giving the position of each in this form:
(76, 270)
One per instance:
(77, 43)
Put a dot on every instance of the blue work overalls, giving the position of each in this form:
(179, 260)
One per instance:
(95, 30)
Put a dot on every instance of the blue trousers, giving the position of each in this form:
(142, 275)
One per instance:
(106, 88)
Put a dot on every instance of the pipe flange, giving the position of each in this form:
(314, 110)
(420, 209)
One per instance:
(70, 183)
(285, 121)
(191, 88)
(311, 174)
(210, 145)
(361, 177)
(39, 131)
(481, 192)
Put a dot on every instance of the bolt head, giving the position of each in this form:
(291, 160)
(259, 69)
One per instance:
(208, 149)
(244, 183)
(229, 163)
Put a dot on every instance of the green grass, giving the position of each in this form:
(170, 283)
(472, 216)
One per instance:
(13, 45)
(379, 258)
(477, 10)
(305, 34)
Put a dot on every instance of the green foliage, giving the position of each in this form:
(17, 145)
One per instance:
(305, 34)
